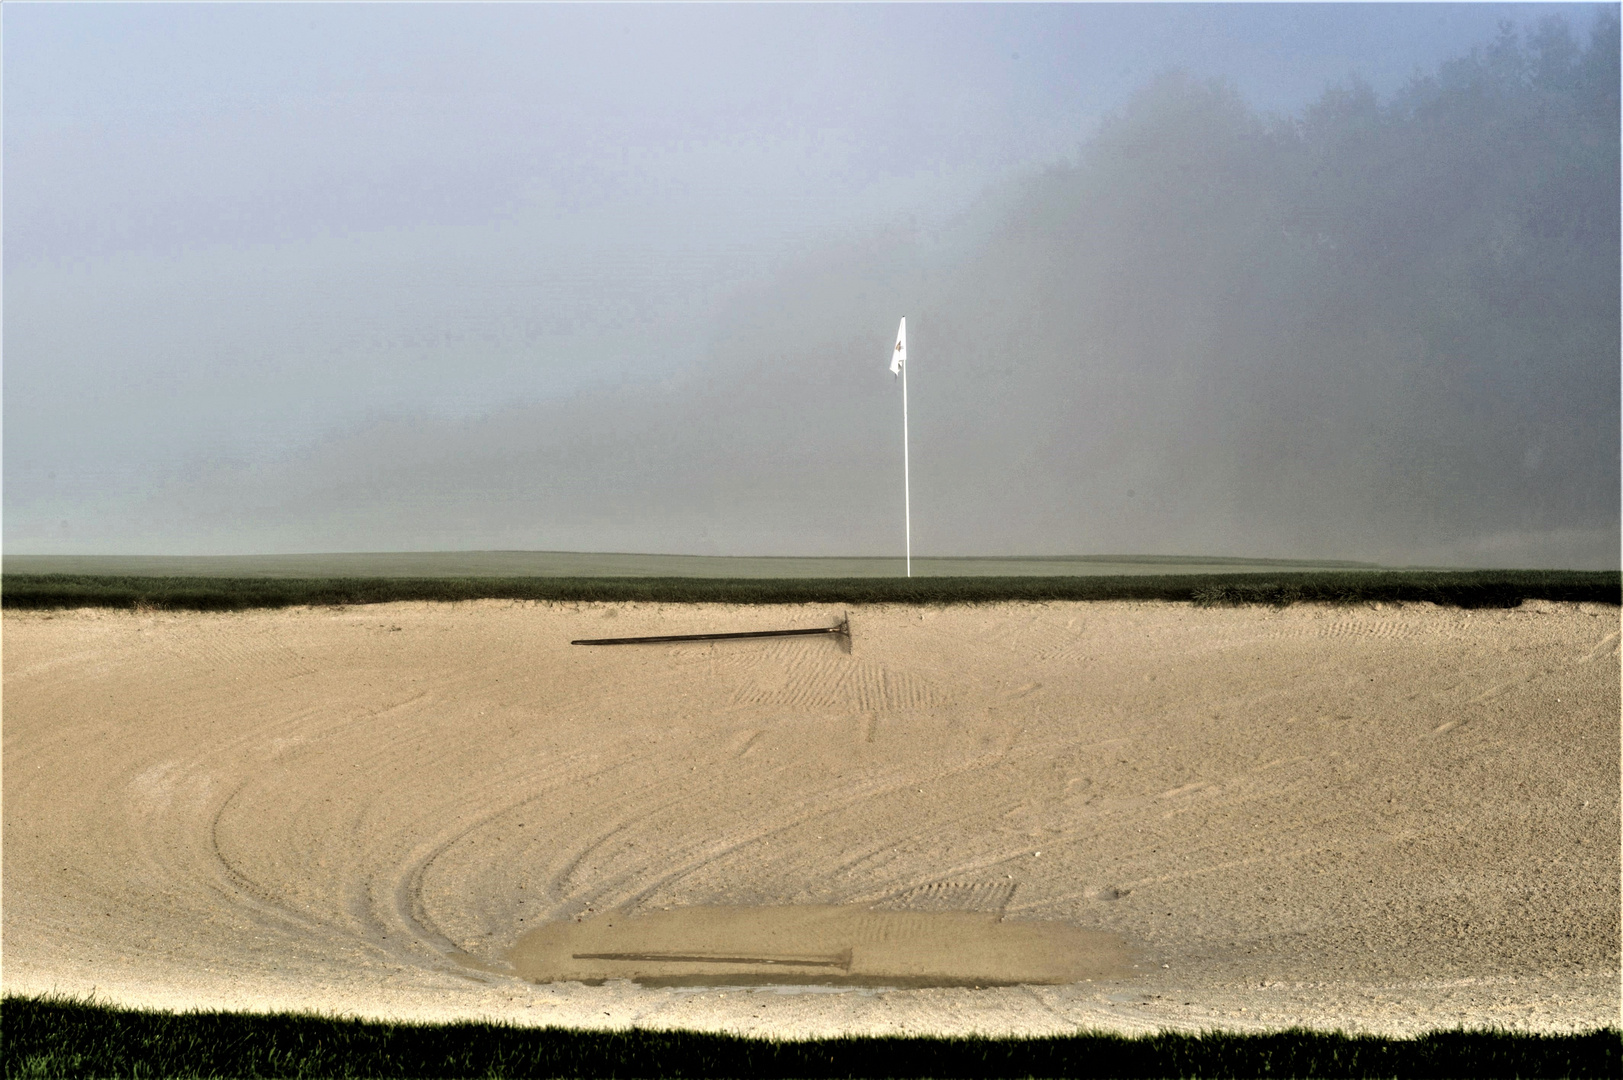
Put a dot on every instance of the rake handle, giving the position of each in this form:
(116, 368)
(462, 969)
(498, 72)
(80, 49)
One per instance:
(708, 637)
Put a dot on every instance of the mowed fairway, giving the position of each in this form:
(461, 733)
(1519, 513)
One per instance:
(1376, 818)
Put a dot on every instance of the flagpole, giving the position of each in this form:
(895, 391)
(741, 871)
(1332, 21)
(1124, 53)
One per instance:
(907, 493)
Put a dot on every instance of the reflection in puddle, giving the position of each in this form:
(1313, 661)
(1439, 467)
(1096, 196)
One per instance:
(815, 945)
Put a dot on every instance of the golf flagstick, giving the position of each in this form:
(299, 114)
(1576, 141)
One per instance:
(898, 366)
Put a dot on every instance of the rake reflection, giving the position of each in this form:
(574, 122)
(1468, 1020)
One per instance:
(816, 944)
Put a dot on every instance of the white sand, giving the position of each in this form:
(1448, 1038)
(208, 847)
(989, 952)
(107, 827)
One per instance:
(1375, 819)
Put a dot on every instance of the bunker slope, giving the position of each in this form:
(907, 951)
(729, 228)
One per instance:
(1378, 819)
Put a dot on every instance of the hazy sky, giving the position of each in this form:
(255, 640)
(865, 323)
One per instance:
(238, 236)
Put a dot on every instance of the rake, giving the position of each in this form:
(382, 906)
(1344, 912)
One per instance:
(842, 630)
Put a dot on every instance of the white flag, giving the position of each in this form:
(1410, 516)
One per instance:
(898, 356)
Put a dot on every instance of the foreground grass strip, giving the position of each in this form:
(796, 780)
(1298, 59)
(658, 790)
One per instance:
(1469, 589)
(57, 1037)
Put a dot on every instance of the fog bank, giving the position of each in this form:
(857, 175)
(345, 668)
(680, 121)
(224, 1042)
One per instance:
(1384, 329)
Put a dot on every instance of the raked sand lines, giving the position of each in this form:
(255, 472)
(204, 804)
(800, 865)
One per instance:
(987, 896)
(813, 681)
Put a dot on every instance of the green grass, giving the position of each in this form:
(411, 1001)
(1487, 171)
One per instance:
(1468, 588)
(60, 1037)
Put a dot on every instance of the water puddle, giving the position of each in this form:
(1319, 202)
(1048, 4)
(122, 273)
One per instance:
(816, 945)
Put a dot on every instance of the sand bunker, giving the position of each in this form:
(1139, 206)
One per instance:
(1375, 818)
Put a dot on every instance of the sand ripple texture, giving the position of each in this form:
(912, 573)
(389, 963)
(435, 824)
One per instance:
(1382, 819)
